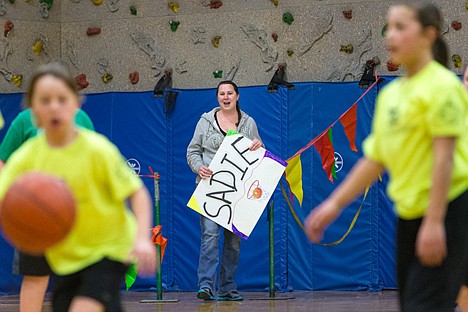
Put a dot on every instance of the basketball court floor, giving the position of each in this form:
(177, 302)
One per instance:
(317, 301)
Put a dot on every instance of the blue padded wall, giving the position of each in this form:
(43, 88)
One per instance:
(287, 121)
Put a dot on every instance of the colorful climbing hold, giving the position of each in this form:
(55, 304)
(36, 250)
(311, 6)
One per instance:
(348, 49)
(290, 52)
(218, 74)
(456, 25)
(457, 61)
(288, 18)
(17, 80)
(37, 47)
(48, 2)
(12, 1)
(174, 25)
(215, 41)
(133, 10)
(7, 27)
(93, 31)
(215, 4)
(348, 14)
(174, 6)
(97, 2)
(43, 10)
(81, 81)
(134, 77)
(384, 30)
(275, 2)
(392, 66)
(106, 78)
(274, 36)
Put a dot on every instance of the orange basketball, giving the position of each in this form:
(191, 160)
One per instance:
(37, 212)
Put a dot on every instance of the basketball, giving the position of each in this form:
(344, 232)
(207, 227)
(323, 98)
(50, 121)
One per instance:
(37, 212)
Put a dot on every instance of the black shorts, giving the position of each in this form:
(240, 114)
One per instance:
(100, 281)
(25, 264)
(433, 289)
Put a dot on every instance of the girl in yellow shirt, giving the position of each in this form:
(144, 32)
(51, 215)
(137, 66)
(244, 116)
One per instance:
(91, 261)
(419, 137)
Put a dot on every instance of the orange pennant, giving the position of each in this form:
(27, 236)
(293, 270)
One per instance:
(325, 148)
(349, 120)
(158, 239)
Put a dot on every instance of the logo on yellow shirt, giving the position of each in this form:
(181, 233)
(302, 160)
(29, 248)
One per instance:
(393, 116)
(449, 112)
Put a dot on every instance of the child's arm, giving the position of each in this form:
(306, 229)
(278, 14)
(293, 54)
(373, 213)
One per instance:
(143, 250)
(431, 247)
(363, 174)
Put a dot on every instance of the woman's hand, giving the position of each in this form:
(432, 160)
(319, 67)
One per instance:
(205, 172)
(256, 144)
(319, 219)
(431, 246)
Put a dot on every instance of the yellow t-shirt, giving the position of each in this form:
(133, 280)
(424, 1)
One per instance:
(100, 181)
(410, 113)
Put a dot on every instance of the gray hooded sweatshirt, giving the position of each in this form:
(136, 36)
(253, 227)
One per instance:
(208, 138)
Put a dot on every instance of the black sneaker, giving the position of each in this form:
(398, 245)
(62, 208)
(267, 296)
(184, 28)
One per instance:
(231, 296)
(206, 294)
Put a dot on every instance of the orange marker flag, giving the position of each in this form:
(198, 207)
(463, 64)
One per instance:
(158, 239)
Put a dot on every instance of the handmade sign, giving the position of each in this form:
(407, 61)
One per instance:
(240, 187)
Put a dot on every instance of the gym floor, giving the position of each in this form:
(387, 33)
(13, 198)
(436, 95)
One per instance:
(337, 301)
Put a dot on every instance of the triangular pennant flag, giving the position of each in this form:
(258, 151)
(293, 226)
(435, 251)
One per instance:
(158, 239)
(327, 153)
(349, 120)
(130, 276)
(294, 177)
(330, 134)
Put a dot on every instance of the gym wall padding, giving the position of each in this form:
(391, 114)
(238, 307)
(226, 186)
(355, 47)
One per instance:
(287, 120)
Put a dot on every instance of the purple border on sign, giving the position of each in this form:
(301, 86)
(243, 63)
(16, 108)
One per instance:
(274, 157)
(238, 233)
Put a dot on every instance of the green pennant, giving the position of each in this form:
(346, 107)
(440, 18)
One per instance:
(130, 276)
(330, 135)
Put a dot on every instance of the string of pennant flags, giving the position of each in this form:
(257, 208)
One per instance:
(323, 143)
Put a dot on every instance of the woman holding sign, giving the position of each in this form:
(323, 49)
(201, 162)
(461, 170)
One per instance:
(419, 136)
(208, 136)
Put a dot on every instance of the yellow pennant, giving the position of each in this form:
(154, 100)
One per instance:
(294, 177)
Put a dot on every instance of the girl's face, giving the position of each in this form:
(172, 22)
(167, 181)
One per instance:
(227, 97)
(54, 104)
(405, 37)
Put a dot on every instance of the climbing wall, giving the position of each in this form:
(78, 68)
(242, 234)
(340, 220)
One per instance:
(120, 45)
(31, 36)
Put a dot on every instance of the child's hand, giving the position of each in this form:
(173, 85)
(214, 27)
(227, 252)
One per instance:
(319, 219)
(431, 246)
(144, 252)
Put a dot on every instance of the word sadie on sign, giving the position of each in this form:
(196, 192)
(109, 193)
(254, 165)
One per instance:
(240, 187)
